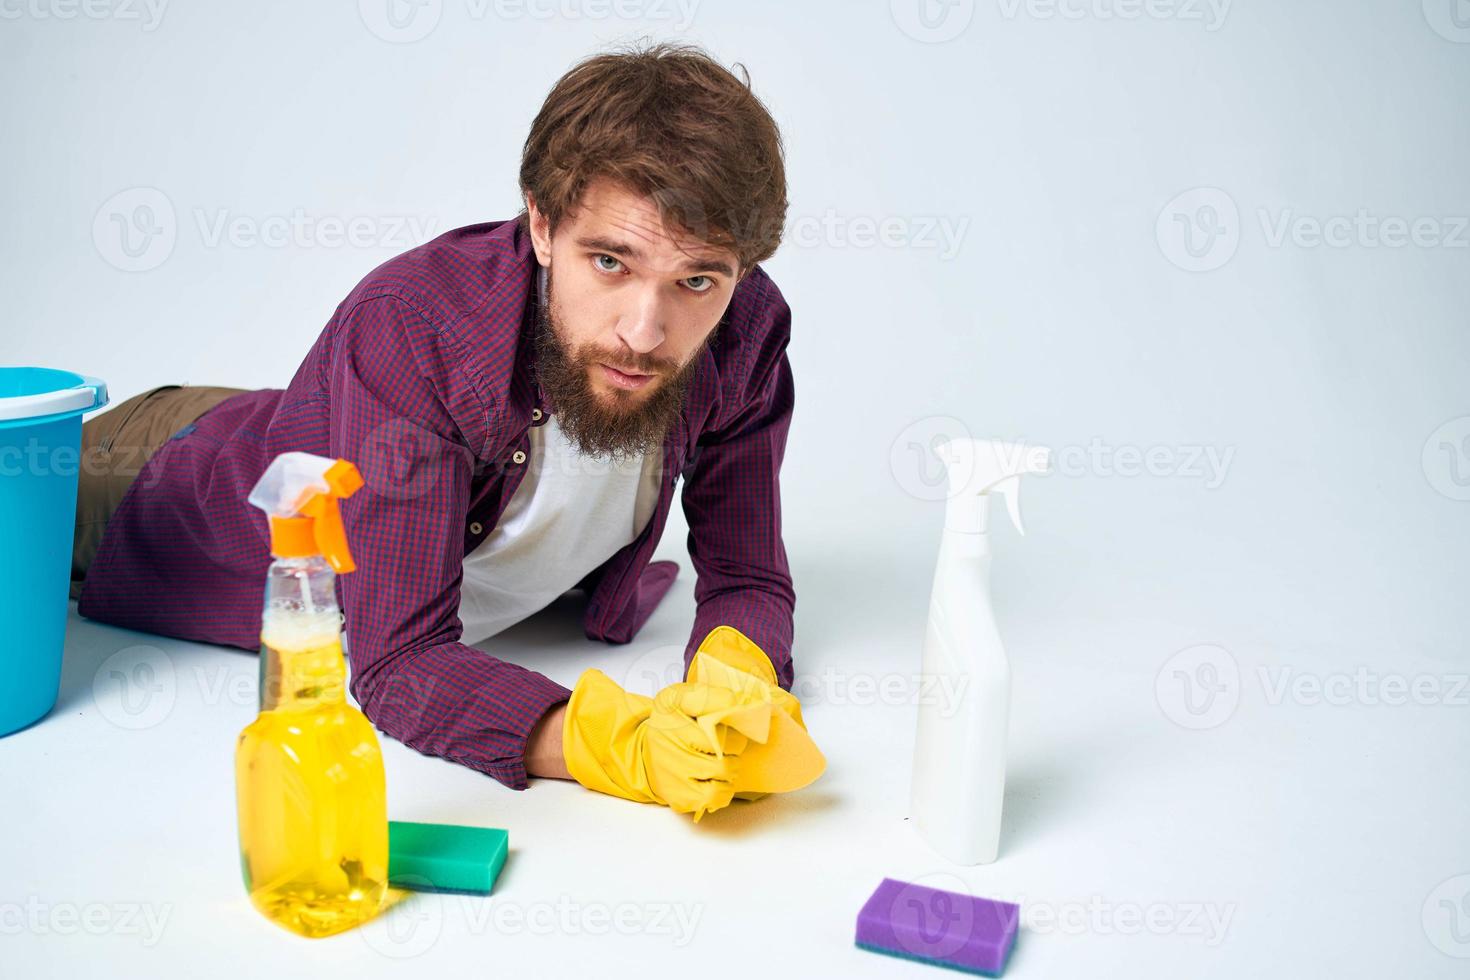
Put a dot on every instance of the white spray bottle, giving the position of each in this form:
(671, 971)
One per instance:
(960, 750)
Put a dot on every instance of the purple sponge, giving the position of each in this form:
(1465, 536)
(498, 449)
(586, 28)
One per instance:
(933, 926)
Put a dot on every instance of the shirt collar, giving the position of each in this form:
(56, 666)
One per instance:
(540, 399)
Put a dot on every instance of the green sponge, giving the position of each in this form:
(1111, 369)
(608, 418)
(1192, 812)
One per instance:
(435, 857)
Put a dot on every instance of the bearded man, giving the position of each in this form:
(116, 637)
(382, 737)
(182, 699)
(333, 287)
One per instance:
(522, 398)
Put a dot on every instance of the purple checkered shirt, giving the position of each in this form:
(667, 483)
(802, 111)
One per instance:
(424, 378)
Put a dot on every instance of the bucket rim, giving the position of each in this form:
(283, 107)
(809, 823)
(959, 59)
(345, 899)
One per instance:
(84, 394)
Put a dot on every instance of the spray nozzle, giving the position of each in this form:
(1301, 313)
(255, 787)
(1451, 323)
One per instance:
(300, 492)
(980, 467)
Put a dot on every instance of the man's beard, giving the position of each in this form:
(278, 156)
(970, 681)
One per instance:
(623, 428)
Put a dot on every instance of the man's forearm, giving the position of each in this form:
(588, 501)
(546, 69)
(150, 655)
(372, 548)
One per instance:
(543, 749)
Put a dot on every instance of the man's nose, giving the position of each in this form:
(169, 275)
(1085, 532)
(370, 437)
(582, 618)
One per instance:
(642, 324)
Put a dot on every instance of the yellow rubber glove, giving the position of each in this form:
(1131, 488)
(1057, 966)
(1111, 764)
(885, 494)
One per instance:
(785, 757)
(729, 645)
(680, 748)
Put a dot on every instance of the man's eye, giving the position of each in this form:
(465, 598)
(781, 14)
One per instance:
(615, 263)
(707, 285)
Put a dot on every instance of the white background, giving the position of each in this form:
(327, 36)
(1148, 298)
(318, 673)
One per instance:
(1212, 774)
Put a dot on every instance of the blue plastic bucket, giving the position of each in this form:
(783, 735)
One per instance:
(40, 459)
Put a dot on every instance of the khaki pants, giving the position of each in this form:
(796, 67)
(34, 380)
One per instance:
(116, 445)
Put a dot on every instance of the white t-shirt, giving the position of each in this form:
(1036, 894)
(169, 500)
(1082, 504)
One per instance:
(569, 515)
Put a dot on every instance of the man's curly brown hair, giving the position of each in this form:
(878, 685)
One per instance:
(669, 122)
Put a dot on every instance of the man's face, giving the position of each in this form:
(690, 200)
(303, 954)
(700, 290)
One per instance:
(632, 306)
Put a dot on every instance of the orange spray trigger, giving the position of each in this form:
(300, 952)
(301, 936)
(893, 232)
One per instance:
(343, 480)
(299, 491)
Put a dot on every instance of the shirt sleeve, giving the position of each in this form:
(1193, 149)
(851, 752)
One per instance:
(732, 501)
(389, 383)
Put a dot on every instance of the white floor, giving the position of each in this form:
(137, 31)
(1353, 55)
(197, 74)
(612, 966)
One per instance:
(1150, 830)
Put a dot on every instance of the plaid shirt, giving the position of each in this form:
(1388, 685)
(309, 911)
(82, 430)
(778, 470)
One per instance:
(424, 378)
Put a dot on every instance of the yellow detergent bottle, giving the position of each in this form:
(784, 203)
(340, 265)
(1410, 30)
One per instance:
(308, 771)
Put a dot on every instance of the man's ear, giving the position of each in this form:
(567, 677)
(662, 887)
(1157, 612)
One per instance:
(540, 232)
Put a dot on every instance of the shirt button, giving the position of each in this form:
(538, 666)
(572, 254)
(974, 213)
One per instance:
(476, 527)
(535, 415)
(518, 457)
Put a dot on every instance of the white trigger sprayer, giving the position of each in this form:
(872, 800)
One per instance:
(960, 749)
